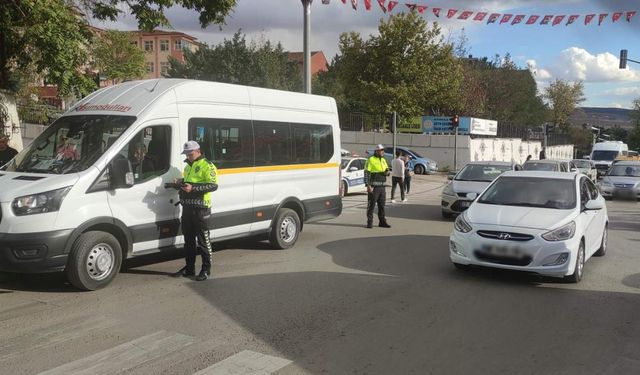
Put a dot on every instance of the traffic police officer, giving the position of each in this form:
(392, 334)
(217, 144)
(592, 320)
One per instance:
(200, 178)
(375, 176)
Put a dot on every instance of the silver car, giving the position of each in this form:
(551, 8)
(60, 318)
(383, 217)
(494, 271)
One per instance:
(473, 178)
(621, 181)
(586, 167)
(550, 165)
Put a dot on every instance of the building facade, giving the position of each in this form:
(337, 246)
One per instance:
(159, 45)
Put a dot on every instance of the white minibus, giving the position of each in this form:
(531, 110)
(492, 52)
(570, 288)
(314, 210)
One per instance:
(90, 190)
(604, 153)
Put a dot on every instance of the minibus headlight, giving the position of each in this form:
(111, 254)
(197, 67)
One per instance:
(48, 201)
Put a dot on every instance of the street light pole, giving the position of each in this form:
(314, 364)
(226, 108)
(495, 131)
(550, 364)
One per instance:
(306, 5)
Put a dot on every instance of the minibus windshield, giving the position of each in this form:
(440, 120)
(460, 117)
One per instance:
(71, 144)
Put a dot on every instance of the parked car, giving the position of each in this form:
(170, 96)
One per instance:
(421, 164)
(548, 223)
(621, 181)
(352, 175)
(586, 167)
(550, 165)
(473, 178)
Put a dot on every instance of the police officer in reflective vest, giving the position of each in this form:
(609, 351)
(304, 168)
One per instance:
(200, 178)
(375, 176)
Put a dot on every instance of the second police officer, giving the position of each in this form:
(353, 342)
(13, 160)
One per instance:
(375, 177)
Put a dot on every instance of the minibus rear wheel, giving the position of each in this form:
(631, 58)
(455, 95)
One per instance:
(285, 229)
(94, 260)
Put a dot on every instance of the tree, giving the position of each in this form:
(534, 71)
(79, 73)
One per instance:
(634, 134)
(563, 98)
(407, 68)
(116, 58)
(58, 49)
(235, 61)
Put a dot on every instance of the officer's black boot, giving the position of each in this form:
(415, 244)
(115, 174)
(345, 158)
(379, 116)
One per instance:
(185, 271)
(203, 275)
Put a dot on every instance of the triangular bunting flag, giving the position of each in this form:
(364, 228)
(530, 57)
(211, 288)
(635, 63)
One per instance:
(601, 18)
(616, 16)
(411, 6)
(421, 8)
(391, 5)
(532, 19)
(557, 20)
(546, 19)
(588, 18)
(464, 15)
(381, 3)
(572, 19)
(517, 19)
(505, 18)
(326, 2)
(480, 16)
(436, 11)
(354, 4)
(451, 13)
(344, 1)
(630, 15)
(493, 18)
(367, 4)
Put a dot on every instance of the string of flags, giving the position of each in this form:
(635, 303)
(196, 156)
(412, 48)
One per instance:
(497, 18)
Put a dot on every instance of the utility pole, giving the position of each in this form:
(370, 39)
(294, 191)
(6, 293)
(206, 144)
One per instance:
(306, 5)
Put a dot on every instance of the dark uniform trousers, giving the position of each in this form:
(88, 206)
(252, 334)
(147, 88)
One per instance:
(196, 237)
(378, 195)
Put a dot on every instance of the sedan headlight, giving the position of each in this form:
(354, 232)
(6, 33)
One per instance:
(462, 225)
(563, 233)
(48, 201)
(448, 190)
(606, 183)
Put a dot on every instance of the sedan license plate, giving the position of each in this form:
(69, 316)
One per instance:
(503, 251)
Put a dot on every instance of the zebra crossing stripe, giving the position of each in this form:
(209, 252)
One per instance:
(244, 363)
(126, 356)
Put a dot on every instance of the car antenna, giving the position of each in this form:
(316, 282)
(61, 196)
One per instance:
(154, 86)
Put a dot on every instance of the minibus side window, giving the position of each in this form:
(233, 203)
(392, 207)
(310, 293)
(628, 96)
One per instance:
(227, 143)
(148, 152)
(312, 143)
(273, 143)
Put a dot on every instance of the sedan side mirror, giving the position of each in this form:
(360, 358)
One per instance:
(595, 204)
(450, 177)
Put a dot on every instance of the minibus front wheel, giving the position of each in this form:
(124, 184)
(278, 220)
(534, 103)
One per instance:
(94, 260)
(285, 229)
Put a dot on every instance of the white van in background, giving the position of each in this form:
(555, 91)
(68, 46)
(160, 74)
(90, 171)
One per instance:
(78, 199)
(604, 153)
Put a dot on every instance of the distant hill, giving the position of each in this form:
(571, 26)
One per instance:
(605, 117)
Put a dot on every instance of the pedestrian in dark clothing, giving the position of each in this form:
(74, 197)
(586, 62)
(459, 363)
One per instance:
(408, 170)
(542, 154)
(375, 177)
(6, 152)
(200, 178)
(528, 157)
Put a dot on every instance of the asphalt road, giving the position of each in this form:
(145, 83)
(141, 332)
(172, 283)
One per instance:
(345, 300)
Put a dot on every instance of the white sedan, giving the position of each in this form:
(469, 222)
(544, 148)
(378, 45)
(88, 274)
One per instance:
(549, 223)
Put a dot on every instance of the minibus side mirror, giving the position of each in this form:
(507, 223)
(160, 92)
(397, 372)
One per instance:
(121, 173)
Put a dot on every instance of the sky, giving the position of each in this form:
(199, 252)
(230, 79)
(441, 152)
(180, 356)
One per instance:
(589, 53)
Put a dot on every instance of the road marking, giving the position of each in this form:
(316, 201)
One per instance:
(11, 347)
(244, 363)
(126, 356)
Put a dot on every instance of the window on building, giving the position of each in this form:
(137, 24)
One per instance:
(134, 42)
(164, 68)
(227, 143)
(148, 45)
(177, 45)
(164, 45)
(150, 67)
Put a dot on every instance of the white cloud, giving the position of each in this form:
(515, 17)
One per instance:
(623, 91)
(578, 64)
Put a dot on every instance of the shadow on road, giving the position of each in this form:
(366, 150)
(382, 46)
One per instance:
(40, 282)
(413, 212)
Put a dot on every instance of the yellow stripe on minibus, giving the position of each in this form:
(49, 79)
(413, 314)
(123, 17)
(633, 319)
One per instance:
(274, 168)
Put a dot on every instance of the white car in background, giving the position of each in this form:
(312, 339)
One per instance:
(586, 167)
(549, 223)
(352, 175)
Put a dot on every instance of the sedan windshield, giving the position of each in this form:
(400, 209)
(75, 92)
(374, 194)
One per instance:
(71, 144)
(539, 166)
(344, 163)
(486, 173)
(531, 192)
(625, 170)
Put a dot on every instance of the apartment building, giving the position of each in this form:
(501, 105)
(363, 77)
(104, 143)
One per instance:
(159, 45)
